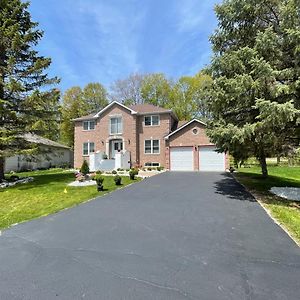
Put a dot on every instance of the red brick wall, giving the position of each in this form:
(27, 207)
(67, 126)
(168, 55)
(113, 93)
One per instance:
(101, 134)
(186, 137)
(153, 132)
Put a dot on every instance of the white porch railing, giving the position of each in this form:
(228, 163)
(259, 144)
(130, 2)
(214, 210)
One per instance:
(122, 160)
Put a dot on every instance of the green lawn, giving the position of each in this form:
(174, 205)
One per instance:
(47, 194)
(285, 212)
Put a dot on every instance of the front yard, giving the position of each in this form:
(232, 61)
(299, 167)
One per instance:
(47, 194)
(287, 213)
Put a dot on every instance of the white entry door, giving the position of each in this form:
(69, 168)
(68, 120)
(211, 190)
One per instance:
(181, 159)
(210, 160)
(116, 147)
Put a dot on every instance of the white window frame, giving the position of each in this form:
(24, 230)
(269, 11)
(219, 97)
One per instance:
(89, 125)
(151, 117)
(116, 117)
(151, 153)
(89, 147)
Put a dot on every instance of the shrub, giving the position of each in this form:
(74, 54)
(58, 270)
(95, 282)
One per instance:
(104, 156)
(14, 178)
(149, 169)
(133, 173)
(98, 172)
(99, 180)
(127, 170)
(160, 168)
(118, 180)
(114, 172)
(85, 168)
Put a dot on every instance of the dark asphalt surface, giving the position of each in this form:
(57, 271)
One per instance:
(172, 236)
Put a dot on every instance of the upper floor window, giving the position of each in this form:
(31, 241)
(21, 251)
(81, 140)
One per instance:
(88, 148)
(88, 125)
(151, 146)
(151, 120)
(116, 126)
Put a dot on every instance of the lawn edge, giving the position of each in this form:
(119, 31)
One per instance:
(66, 208)
(258, 197)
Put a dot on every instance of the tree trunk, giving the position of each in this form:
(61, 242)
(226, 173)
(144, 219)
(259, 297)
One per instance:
(1, 168)
(263, 165)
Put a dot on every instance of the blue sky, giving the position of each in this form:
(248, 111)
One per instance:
(105, 40)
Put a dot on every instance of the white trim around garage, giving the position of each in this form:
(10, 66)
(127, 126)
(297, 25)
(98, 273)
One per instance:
(183, 126)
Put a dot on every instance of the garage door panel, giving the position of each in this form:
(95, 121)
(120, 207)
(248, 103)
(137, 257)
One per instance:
(181, 159)
(210, 160)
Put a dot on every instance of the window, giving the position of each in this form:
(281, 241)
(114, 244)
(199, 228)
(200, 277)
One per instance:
(88, 148)
(116, 125)
(151, 120)
(88, 125)
(195, 131)
(151, 146)
(152, 164)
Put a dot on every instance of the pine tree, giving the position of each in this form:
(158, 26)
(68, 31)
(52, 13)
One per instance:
(23, 105)
(254, 99)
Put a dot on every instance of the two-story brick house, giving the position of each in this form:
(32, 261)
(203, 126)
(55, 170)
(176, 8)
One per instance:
(152, 135)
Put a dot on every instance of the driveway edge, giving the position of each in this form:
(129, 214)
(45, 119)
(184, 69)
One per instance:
(260, 202)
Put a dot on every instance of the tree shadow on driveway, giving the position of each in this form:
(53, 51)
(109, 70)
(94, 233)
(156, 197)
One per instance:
(229, 187)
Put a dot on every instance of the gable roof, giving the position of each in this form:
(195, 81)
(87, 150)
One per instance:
(141, 109)
(36, 139)
(110, 105)
(183, 126)
(95, 115)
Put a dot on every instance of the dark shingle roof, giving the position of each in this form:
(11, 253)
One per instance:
(36, 139)
(148, 108)
(87, 117)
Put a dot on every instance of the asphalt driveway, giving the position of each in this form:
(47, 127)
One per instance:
(172, 236)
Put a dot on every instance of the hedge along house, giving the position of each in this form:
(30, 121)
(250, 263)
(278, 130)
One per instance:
(144, 135)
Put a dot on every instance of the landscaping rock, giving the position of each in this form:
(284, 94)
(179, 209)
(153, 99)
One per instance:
(290, 193)
(5, 183)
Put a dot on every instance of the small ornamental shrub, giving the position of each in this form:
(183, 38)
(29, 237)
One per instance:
(114, 172)
(104, 156)
(149, 169)
(85, 168)
(98, 172)
(80, 178)
(133, 173)
(127, 170)
(14, 178)
(160, 168)
(99, 180)
(118, 180)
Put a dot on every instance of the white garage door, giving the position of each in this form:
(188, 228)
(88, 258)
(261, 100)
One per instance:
(210, 160)
(182, 159)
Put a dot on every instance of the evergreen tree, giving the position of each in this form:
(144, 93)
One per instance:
(254, 99)
(24, 107)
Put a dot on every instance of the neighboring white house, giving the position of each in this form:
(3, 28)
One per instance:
(54, 155)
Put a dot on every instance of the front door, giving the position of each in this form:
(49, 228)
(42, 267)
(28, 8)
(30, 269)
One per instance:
(116, 147)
